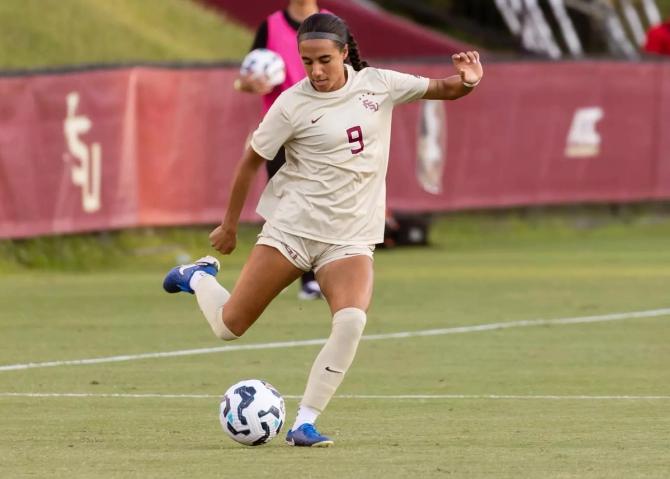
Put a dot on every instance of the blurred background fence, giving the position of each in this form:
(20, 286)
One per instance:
(86, 149)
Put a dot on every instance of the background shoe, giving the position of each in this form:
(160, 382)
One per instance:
(307, 436)
(310, 291)
(179, 277)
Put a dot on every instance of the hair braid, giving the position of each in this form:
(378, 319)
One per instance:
(354, 54)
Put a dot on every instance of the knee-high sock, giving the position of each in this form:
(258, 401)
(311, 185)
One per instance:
(211, 297)
(335, 358)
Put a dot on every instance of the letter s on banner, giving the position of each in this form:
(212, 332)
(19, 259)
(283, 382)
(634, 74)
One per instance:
(85, 161)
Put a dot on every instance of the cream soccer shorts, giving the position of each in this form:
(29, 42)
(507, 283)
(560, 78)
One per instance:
(307, 254)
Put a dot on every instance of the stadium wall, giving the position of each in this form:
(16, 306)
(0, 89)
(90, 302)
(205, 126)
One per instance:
(117, 148)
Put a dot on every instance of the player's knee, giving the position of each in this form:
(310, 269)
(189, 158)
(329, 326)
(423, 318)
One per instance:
(350, 322)
(235, 323)
(221, 328)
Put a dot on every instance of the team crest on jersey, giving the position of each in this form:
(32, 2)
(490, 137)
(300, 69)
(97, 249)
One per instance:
(369, 102)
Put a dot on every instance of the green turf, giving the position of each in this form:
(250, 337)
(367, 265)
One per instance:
(47, 33)
(475, 272)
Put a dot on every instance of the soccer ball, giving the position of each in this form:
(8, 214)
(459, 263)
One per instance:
(262, 62)
(252, 412)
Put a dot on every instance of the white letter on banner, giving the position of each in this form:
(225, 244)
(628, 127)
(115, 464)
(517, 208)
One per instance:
(87, 174)
(583, 139)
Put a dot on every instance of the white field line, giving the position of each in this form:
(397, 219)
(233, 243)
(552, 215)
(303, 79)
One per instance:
(373, 337)
(391, 397)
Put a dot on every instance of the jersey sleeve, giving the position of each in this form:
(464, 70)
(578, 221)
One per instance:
(274, 130)
(404, 87)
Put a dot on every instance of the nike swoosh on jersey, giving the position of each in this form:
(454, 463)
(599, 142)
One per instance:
(314, 121)
(332, 370)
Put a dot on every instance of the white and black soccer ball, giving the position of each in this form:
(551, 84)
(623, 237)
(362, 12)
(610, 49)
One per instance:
(252, 412)
(264, 63)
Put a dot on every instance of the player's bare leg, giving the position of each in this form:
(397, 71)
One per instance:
(266, 273)
(347, 283)
(347, 286)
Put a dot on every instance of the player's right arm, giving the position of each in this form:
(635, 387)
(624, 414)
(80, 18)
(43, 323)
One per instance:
(271, 134)
(252, 84)
(224, 236)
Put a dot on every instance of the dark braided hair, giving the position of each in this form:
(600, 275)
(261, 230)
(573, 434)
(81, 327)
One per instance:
(332, 24)
(354, 54)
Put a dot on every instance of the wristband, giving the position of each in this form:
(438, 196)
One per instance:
(471, 85)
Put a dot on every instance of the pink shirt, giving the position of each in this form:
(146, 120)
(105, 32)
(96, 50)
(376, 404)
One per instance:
(282, 40)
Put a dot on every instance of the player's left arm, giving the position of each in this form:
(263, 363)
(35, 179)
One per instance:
(470, 73)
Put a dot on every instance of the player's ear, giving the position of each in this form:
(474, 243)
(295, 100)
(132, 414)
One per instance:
(345, 52)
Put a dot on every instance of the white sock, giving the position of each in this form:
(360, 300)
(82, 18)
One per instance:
(195, 279)
(211, 297)
(306, 415)
(334, 360)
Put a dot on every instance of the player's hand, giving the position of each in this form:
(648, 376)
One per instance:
(254, 84)
(468, 66)
(223, 239)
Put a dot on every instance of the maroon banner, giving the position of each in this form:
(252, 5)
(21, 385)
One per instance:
(542, 134)
(192, 130)
(661, 81)
(66, 154)
(154, 146)
(114, 149)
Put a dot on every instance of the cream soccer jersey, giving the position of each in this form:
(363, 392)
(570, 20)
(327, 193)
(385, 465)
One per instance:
(332, 187)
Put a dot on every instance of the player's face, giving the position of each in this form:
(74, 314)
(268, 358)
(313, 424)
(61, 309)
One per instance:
(324, 63)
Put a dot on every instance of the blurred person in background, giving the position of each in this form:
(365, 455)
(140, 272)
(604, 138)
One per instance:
(278, 33)
(325, 210)
(658, 39)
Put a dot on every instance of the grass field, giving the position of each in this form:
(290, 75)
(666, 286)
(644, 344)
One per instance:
(564, 400)
(51, 33)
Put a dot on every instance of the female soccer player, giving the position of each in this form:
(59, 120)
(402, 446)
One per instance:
(277, 33)
(324, 209)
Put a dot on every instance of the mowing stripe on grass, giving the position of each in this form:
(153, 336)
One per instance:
(373, 337)
(344, 396)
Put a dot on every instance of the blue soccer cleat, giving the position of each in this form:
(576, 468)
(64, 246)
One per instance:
(179, 277)
(307, 436)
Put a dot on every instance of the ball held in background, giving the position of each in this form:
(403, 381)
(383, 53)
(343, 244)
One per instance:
(264, 63)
